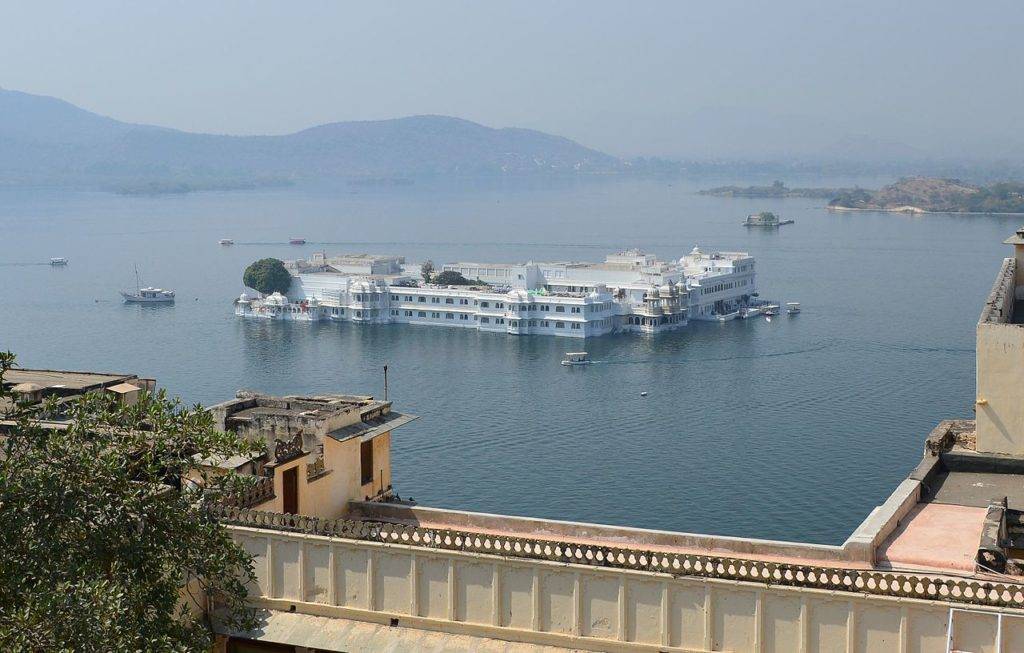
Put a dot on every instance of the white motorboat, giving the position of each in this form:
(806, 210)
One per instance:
(58, 260)
(725, 317)
(147, 295)
(225, 241)
(792, 307)
(576, 358)
(770, 310)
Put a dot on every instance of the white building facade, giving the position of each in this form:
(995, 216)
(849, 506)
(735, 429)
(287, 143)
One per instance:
(629, 291)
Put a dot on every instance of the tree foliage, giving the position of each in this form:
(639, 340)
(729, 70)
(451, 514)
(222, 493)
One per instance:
(427, 270)
(102, 546)
(267, 275)
(451, 278)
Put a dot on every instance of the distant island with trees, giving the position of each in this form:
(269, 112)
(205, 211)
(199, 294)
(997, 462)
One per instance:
(776, 190)
(908, 195)
(930, 195)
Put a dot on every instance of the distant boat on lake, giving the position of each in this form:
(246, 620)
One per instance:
(58, 260)
(147, 295)
(576, 358)
(297, 241)
(225, 241)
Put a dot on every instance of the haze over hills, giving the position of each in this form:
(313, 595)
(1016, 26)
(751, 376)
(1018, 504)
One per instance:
(44, 140)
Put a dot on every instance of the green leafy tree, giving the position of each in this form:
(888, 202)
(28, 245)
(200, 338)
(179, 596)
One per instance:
(427, 270)
(267, 275)
(103, 546)
(451, 278)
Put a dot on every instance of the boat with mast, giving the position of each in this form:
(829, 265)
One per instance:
(147, 295)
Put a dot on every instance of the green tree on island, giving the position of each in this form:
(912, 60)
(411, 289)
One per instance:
(427, 270)
(451, 278)
(102, 545)
(267, 275)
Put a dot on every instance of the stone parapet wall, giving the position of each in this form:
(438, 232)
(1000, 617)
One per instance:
(834, 578)
(610, 599)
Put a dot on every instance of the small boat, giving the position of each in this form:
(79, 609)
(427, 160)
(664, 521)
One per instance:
(792, 307)
(576, 358)
(725, 317)
(147, 295)
(225, 241)
(643, 394)
(297, 241)
(58, 260)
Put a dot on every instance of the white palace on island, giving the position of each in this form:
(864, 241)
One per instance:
(629, 291)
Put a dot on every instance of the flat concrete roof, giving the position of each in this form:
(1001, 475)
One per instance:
(935, 536)
(976, 489)
(65, 379)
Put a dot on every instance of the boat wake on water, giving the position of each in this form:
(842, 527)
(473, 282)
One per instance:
(719, 359)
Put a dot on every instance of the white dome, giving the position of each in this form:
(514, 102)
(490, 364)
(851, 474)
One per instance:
(244, 297)
(276, 299)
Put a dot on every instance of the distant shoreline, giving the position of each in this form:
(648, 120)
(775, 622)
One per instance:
(916, 210)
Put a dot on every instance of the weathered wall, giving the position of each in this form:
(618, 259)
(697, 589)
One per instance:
(1000, 383)
(603, 609)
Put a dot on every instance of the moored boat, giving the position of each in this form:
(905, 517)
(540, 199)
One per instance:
(147, 295)
(576, 358)
(792, 307)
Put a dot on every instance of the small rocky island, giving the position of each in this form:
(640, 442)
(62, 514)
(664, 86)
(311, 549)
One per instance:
(931, 195)
(764, 219)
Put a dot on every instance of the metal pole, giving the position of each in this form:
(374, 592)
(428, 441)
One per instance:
(385, 383)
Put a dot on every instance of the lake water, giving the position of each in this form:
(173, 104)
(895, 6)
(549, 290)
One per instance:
(792, 429)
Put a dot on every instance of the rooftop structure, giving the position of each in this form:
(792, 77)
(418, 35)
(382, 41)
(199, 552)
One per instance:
(32, 386)
(347, 436)
(937, 566)
(628, 291)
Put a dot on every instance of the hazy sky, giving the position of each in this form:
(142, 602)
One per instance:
(678, 78)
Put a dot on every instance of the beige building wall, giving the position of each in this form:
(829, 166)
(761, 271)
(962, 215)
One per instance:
(1000, 382)
(381, 467)
(601, 609)
(328, 496)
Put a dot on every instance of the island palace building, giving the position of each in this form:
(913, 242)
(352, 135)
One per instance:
(629, 292)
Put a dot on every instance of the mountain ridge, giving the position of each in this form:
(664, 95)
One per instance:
(48, 140)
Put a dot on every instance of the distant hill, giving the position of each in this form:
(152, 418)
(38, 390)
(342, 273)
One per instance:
(932, 195)
(45, 140)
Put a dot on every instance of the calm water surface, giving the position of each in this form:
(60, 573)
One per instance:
(792, 429)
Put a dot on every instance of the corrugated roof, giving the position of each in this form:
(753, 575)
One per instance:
(351, 636)
(372, 428)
